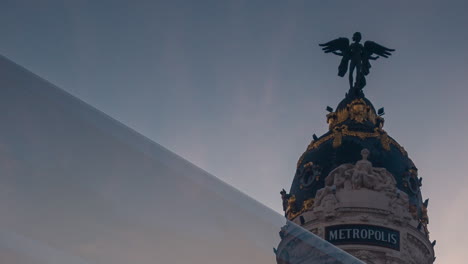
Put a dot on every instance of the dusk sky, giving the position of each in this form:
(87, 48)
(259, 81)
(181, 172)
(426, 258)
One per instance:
(238, 87)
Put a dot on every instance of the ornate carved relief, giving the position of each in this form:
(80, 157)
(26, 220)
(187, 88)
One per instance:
(357, 111)
(361, 175)
(360, 194)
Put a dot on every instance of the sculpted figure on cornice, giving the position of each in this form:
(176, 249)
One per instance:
(362, 175)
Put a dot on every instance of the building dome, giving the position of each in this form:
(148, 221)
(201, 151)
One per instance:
(355, 186)
(354, 126)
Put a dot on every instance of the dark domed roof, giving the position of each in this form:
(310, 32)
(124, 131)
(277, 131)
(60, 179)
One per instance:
(354, 126)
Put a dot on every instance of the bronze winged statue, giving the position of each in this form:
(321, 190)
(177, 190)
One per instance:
(357, 56)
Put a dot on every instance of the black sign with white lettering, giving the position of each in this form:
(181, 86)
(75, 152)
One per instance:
(363, 234)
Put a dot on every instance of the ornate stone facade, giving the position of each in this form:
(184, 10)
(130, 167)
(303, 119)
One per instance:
(361, 196)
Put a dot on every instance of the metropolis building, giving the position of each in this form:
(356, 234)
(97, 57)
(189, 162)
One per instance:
(356, 187)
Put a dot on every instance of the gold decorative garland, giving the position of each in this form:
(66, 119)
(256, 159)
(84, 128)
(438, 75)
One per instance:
(300, 160)
(339, 131)
(306, 206)
(315, 144)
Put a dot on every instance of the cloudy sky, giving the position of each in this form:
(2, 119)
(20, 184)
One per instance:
(238, 87)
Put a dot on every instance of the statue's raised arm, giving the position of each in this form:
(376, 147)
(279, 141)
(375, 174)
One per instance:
(357, 56)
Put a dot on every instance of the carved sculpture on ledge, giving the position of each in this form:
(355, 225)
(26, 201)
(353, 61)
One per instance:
(359, 194)
(355, 177)
(348, 177)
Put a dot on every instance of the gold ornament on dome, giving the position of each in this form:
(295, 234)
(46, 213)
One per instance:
(337, 137)
(308, 164)
(292, 211)
(424, 216)
(307, 205)
(379, 121)
(385, 140)
(331, 120)
(316, 143)
(424, 219)
(309, 174)
(300, 160)
(339, 131)
(358, 111)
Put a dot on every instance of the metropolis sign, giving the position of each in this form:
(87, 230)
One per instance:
(363, 234)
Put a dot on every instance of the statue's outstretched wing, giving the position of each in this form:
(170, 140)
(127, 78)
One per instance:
(339, 44)
(370, 47)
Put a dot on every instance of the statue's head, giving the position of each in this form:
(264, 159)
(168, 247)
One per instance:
(365, 153)
(357, 36)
